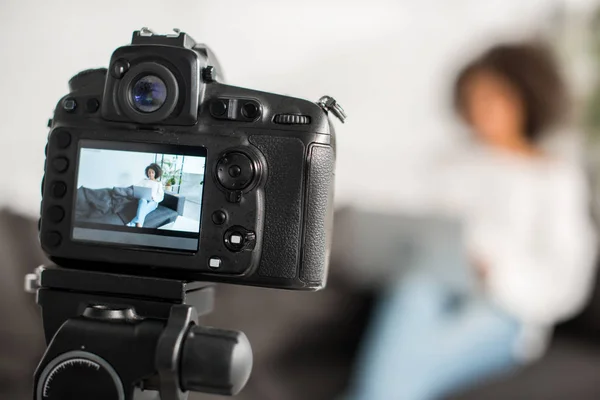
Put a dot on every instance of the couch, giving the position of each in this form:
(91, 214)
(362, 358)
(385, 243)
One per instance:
(117, 206)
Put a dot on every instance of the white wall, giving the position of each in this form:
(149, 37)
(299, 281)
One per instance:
(388, 62)
(111, 168)
(194, 165)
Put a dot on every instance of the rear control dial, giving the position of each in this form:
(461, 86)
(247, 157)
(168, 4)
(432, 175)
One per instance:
(235, 171)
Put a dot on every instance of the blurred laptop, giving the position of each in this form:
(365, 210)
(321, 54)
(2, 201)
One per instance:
(373, 247)
(141, 192)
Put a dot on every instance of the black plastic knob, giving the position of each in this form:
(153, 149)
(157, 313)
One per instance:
(215, 361)
(110, 313)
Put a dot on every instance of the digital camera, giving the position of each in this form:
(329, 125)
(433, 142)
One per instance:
(155, 167)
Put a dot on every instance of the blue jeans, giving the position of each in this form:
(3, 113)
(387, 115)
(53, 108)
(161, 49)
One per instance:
(429, 339)
(144, 208)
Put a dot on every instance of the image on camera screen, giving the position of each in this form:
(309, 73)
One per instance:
(139, 195)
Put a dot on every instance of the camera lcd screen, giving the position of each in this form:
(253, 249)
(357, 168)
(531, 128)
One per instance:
(139, 195)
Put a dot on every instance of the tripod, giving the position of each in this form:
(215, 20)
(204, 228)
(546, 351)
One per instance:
(122, 337)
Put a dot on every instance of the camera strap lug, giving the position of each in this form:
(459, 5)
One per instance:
(329, 104)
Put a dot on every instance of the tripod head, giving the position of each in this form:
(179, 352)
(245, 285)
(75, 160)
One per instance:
(120, 337)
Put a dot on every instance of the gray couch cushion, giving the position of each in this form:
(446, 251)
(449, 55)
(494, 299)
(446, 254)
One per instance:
(159, 217)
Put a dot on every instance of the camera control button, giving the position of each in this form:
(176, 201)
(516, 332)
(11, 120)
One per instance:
(234, 196)
(69, 104)
(219, 217)
(52, 239)
(92, 105)
(60, 164)
(235, 171)
(63, 139)
(119, 68)
(55, 214)
(218, 107)
(59, 189)
(214, 263)
(238, 238)
(251, 110)
(234, 240)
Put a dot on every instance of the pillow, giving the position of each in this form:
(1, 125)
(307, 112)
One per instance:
(98, 200)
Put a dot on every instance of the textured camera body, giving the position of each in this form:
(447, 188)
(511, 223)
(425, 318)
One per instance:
(285, 147)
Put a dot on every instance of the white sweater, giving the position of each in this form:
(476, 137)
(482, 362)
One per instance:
(529, 222)
(158, 193)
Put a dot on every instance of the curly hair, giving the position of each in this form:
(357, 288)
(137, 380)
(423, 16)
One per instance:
(534, 72)
(156, 168)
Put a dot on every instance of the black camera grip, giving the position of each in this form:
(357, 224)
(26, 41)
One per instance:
(319, 214)
(293, 249)
(283, 205)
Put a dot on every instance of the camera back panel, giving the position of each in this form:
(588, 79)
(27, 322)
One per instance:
(267, 188)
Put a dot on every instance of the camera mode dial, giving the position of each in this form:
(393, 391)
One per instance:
(84, 78)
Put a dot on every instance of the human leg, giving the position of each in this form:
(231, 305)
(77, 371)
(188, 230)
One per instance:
(140, 207)
(477, 345)
(391, 364)
(144, 210)
(426, 340)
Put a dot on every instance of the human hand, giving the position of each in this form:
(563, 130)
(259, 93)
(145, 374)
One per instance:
(481, 267)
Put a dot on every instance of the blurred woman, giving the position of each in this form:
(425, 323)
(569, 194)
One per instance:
(528, 240)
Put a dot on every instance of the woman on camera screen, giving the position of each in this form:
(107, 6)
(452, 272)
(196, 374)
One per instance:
(153, 172)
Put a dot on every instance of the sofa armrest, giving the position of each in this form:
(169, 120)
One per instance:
(174, 202)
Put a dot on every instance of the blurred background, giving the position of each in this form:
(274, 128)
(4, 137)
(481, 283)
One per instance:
(392, 66)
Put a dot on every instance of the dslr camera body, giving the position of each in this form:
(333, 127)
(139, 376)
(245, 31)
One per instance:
(156, 168)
